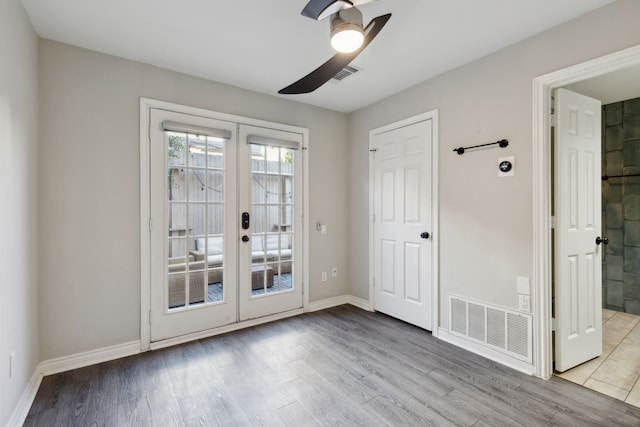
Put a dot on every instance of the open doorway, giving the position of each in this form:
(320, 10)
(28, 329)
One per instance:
(613, 368)
(606, 69)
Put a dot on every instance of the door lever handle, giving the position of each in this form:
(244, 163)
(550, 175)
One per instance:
(604, 240)
(424, 235)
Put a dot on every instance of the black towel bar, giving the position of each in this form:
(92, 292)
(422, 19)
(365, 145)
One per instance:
(502, 143)
(606, 177)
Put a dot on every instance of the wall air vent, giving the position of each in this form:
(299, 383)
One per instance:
(347, 71)
(498, 328)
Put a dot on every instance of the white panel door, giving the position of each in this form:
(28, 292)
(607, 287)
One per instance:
(193, 217)
(578, 259)
(270, 237)
(402, 251)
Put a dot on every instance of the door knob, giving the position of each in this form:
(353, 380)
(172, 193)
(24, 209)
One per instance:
(604, 240)
(245, 239)
(424, 235)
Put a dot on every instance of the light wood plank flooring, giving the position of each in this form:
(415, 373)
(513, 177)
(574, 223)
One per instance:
(341, 366)
(617, 372)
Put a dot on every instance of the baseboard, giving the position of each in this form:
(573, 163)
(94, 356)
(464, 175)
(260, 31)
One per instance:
(88, 358)
(328, 303)
(26, 400)
(485, 352)
(341, 300)
(360, 303)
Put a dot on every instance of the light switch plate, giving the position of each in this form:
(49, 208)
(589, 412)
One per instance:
(524, 285)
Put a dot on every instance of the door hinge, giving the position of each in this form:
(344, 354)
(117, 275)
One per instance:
(553, 222)
(374, 218)
(149, 316)
(150, 224)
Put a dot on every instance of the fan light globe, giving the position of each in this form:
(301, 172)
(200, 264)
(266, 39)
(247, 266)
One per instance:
(346, 30)
(347, 38)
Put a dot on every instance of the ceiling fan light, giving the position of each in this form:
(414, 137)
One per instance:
(346, 30)
(347, 38)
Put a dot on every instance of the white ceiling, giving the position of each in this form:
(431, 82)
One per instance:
(266, 45)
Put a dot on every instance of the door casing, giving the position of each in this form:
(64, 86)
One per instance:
(435, 235)
(146, 104)
(542, 249)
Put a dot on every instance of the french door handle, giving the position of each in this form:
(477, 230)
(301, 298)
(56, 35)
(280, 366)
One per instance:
(604, 240)
(245, 238)
(245, 220)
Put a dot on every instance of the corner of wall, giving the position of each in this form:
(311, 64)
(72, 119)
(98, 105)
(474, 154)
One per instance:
(19, 336)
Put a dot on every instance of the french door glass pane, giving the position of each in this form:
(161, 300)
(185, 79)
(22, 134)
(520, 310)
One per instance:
(215, 186)
(195, 202)
(272, 213)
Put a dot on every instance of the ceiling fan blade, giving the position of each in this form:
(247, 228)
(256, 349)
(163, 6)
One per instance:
(320, 9)
(326, 71)
(316, 8)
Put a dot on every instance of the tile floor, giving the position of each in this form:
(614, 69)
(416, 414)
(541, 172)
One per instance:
(616, 373)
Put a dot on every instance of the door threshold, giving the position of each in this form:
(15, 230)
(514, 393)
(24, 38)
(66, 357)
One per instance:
(223, 329)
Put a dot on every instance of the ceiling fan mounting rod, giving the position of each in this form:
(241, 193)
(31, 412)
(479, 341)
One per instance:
(321, 9)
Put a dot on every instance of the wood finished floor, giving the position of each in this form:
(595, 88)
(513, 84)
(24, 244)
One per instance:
(341, 366)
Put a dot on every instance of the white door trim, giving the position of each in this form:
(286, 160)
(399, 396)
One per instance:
(146, 104)
(542, 87)
(435, 235)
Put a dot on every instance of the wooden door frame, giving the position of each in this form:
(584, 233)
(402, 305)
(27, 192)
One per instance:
(435, 209)
(146, 104)
(542, 250)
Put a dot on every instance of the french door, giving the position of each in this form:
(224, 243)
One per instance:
(225, 226)
(271, 241)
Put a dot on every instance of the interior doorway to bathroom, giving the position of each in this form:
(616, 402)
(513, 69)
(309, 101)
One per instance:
(616, 371)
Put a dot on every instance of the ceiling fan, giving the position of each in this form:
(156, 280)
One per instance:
(348, 37)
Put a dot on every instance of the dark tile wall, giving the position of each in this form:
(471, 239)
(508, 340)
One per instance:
(621, 206)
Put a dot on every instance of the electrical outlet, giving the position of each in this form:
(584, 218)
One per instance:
(334, 272)
(524, 303)
(324, 276)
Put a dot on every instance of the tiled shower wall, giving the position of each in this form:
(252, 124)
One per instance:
(621, 206)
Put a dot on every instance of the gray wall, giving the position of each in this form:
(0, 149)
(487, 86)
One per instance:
(18, 209)
(621, 206)
(89, 188)
(486, 223)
